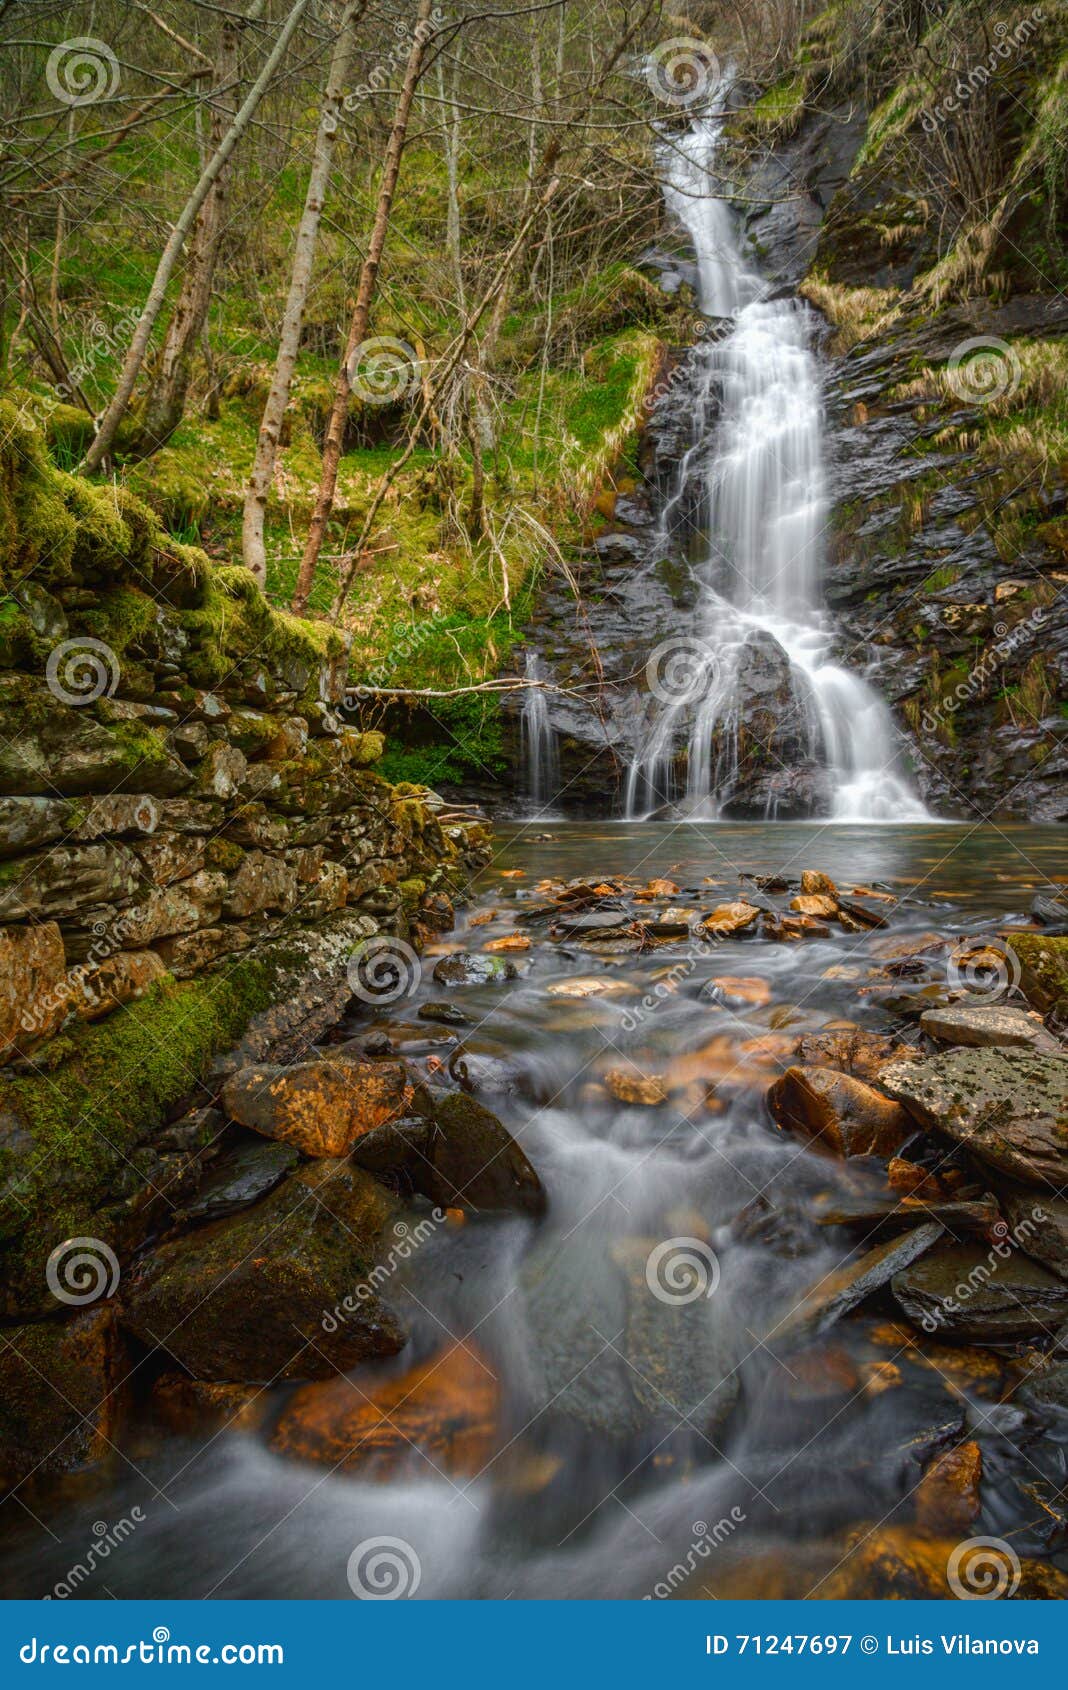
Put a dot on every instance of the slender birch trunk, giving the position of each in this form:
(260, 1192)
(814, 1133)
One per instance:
(335, 430)
(165, 405)
(113, 416)
(259, 483)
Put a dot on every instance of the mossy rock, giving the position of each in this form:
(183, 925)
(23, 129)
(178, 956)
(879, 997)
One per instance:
(1043, 971)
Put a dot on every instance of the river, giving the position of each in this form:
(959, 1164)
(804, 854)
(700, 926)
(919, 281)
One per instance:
(626, 1426)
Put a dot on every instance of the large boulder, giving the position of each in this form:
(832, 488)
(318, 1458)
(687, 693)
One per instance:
(248, 1297)
(771, 740)
(459, 1155)
(322, 1107)
(843, 1114)
(609, 1353)
(1008, 1107)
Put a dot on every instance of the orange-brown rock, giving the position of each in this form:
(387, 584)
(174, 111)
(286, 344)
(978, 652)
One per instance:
(33, 995)
(59, 1393)
(826, 1370)
(509, 942)
(845, 1115)
(947, 1497)
(627, 1085)
(123, 977)
(729, 918)
(735, 990)
(912, 1181)
(815, 903)
(323, 1106)
(873, 1562)
(441, 1415)
(813, 883)
(196, 1405)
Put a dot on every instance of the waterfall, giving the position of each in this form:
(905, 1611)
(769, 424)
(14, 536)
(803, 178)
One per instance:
(767, 723)
(541, 760)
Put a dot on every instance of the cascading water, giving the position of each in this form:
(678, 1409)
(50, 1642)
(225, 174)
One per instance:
(541, 759)
(753, 490)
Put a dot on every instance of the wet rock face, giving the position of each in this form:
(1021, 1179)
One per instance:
(322, 1107)
(841, 1113)
(59, 1401)
(244, 1298)
(971, 1293)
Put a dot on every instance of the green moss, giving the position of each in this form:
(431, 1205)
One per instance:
(1044, 970)
(224, 854)
(113, 1088)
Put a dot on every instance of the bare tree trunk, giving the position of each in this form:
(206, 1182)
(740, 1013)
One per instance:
(259, 483)
(335, 430)
(113, 416)
(165, 405)
(451, 362)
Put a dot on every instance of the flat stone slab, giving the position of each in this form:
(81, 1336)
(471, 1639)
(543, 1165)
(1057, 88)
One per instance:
(973, 1293)
(989, 1024)
(839, 1292)
(1009, 1107)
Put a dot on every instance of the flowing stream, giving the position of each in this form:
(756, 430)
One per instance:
(752, 493)
(602, 1403)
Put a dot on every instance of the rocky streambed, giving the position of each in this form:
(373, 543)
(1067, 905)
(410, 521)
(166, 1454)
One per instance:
(687, 1220)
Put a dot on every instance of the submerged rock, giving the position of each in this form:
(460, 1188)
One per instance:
(468, 969)
(607, 1352)
(1008, 1107)
(440, 1417)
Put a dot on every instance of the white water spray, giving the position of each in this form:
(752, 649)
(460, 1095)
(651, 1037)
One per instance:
(757, 476)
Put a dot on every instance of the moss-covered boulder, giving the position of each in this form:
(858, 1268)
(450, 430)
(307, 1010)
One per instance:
(246, 1297)
(1043, 971)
